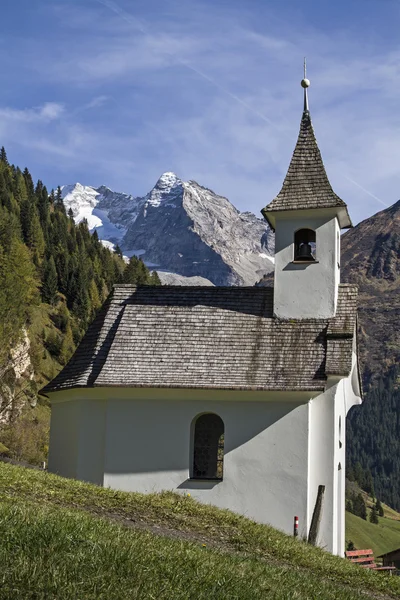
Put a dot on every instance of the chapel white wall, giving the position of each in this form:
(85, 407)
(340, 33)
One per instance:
(307, 290)
(265, 463)
(92, 443)
(325, 456)
(277, 451)
(143, 445)
(64, 438)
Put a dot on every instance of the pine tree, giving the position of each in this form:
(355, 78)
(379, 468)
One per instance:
(369, 484)
(349, 505)
(373, 516)
(18, 291)
(359, 474)
(131, 271)
(43, 204)
(58, 203)
(94, 297)
(30, 188)
(154, 279)
(3, 156)
(62, 267)
(143, 274)
(50, 280)
(379, 508)
(35, 239)
(359, 507)
(67, 346)
(118, 251)
(81, 306)
(10, 228)
(350, 473)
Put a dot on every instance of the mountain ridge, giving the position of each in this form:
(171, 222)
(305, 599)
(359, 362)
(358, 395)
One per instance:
(370, 259)
(179, 227)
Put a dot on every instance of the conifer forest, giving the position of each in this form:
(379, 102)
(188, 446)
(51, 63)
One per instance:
(54, 276)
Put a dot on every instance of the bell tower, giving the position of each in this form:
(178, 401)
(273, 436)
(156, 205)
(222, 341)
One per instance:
(307, 217)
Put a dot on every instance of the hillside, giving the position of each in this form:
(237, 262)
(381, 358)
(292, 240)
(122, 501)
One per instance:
(67, 540)
(370, 258)
(382, 538)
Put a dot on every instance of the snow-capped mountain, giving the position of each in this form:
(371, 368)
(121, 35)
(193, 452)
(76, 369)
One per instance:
(179, 227)
(108, 212)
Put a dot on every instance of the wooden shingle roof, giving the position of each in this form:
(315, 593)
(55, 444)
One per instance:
(209, 337)
(306, 185)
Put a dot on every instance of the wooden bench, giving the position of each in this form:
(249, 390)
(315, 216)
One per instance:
(365, 558)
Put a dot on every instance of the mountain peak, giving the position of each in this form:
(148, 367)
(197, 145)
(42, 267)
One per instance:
(167, 181)
(167, 188)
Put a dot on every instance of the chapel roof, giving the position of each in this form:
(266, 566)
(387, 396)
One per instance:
(306, 185)
(210, 338)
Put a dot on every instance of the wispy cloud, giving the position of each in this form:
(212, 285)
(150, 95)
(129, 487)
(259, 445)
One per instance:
(49, 111)
(208, 91)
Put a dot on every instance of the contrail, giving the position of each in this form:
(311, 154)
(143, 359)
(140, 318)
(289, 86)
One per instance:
(366, 191)
(137, 23)
(134, 21)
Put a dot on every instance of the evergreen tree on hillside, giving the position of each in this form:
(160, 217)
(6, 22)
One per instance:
(373, 516)
(373, 440)
(41, 248)
(50, 282)
(379, 508)
(18, 290)
(3, 156)
(154, 279)
(137, 273)
(369, 484)
(359, 507)
(58, 203)
(30, 188)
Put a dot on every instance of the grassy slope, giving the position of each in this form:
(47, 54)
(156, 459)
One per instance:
(381, 538)
(67, 540)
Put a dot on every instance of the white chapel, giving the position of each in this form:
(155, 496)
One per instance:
(238, 395)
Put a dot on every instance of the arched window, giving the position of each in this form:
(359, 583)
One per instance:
(208, 447)
(304, 245)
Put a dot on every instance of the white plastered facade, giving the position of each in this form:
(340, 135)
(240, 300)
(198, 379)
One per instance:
(279, 447)
(307, 290)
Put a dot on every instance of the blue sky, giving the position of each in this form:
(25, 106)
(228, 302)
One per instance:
(116, 93)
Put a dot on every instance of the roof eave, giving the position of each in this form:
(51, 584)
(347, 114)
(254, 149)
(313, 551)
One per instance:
(344, 218)
(269, 217)
(340, 212)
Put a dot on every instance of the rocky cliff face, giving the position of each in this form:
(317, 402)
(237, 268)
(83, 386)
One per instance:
(13, 378)
(180, 227)
(370, 258)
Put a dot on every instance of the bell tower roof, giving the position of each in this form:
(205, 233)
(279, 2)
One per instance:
(306, 185)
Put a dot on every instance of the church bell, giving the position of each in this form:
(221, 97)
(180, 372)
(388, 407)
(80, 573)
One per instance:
(305, 252)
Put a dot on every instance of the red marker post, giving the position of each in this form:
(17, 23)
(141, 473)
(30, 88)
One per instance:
(296, 527)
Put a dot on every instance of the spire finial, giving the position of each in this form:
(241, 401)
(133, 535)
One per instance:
(305, 83)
